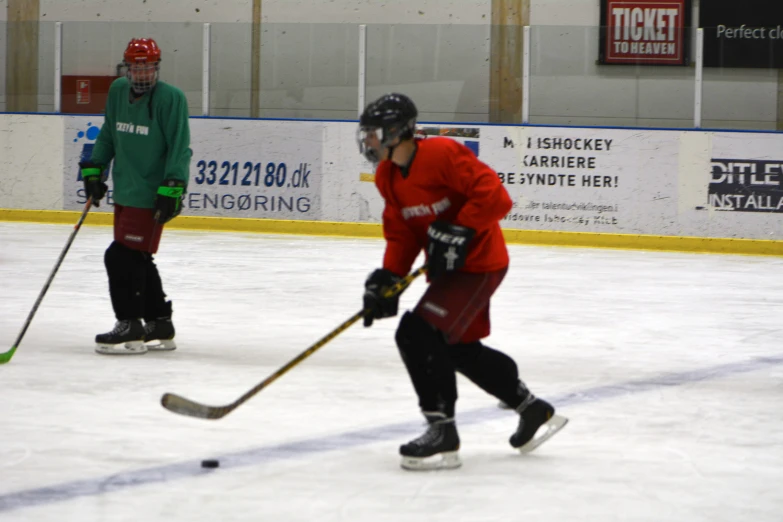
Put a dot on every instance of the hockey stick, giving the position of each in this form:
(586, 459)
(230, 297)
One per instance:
(6, 356)
(183, 406)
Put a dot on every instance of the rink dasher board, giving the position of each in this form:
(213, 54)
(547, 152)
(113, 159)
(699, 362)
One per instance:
(626, 188)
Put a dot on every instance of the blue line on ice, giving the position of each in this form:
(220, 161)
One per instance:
(170, 472)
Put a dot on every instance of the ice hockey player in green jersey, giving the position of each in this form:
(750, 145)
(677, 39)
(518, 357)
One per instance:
(146, 133)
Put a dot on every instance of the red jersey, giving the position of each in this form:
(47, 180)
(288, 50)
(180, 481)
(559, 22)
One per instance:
(445, 182)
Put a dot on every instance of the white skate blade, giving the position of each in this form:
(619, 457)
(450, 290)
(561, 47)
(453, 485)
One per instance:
(544, 433)
(165, 345)
(129, 348)
(446, 460)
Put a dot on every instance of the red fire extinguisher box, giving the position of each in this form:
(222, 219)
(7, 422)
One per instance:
(85, 94)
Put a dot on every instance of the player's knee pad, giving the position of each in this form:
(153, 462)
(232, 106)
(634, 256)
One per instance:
(424, 353)
(416, 338)
(120, 258)
(115, 255)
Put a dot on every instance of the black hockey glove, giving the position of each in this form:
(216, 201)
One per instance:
(94, 182)
(447, 248)
(375, 305)
(168, 203)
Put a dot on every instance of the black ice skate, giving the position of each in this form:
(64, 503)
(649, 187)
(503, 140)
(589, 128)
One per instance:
(127, 338)
(159, 335)
(436, 449)
(537, 423)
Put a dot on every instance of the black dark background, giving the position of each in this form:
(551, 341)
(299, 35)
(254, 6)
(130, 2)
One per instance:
(736, 52)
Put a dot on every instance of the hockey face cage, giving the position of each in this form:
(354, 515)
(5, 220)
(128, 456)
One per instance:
(372, 140)
(142, 76)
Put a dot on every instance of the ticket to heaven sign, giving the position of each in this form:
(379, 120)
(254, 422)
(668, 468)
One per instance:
(644, 32)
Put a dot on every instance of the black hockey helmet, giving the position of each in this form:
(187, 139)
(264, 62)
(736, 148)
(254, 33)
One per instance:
(389, 117)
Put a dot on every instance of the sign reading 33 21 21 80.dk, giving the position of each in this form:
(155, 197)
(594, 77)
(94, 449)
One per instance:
(239, 169)
(644, 32)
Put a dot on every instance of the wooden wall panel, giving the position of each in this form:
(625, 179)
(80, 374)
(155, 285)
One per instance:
(505, 83)
(21, 75)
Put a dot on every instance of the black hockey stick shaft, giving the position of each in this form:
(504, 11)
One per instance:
(6, 356)
(183, 406)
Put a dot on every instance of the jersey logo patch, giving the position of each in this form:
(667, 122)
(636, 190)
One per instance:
(426, 210)
(130, 128)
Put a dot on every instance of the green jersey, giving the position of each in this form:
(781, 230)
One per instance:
(148, 139)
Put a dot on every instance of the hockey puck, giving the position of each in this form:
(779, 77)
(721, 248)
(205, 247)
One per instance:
(210, 463)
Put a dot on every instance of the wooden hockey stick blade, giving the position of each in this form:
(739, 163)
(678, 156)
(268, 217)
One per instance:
(181, 405)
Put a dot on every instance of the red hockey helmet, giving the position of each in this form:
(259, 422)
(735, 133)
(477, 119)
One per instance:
(142, 63)
(142, 50)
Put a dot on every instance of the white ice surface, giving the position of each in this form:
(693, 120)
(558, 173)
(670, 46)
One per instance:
(670, 367)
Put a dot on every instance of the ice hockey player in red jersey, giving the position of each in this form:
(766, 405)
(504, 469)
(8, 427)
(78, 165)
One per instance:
(440, 198)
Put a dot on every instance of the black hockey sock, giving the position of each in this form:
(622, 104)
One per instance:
(155, 304)
(126, 270)
(491, 370)
(423, 351)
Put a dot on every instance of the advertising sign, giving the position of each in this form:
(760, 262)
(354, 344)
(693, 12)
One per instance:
(240, 168)
(584, 180)
(644, 32)
(742, 34)
(745, 177)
